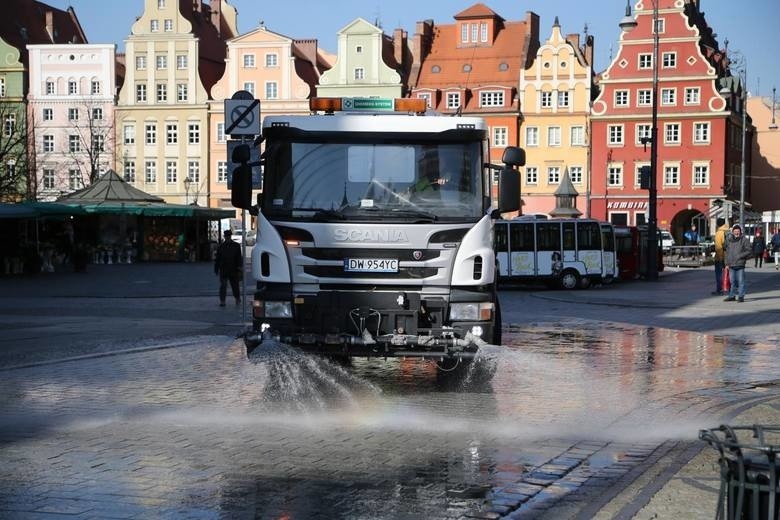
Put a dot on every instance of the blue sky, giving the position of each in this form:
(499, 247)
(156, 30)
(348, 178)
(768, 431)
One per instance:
(750, 25)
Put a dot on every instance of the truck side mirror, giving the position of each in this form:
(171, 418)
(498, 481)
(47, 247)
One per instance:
(513, 156)
(508, 190)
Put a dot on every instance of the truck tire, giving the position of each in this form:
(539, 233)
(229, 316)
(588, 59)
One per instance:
(570, 279)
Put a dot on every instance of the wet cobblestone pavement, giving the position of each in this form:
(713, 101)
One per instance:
(550, 420)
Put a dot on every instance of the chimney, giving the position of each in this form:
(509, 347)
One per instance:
(574, 40)
(216, 16)
(421, 47)
(589, 51)
(50, 24)
(399, 42)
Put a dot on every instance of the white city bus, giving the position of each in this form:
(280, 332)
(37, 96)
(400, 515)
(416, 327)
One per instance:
(570, 253)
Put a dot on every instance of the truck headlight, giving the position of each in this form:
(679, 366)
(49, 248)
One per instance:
(476, 311)
(272, 309)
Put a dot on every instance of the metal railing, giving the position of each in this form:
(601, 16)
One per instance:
(686, 256)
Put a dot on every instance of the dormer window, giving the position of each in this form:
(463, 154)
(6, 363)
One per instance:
(359, 49)
(483, 32)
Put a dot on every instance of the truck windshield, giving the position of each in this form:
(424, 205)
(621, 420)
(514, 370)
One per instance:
(365, 181)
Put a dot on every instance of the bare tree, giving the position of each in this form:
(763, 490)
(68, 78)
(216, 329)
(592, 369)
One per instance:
(94, 131)
(14, 164)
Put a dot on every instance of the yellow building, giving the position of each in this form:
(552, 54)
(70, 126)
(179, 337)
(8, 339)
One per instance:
(174, 55)
(555, 95)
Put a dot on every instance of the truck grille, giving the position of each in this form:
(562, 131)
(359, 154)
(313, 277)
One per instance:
(337, 271)
(403, 255)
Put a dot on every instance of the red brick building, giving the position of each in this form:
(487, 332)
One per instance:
(699, 128)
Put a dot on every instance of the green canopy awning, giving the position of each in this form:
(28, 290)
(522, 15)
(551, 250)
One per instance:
(38, 209)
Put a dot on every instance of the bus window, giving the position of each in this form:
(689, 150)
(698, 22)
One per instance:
(588, 236)
(607, 238)
(522, 236)
(500, 243)
(568, 236)
(548, 236)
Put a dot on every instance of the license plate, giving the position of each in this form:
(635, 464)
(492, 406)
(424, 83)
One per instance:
(370, 265)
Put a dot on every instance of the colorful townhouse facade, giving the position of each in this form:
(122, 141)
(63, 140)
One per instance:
(174, 55)
(279, 71)
(472, 67)
(25, 22)
(71, 111)
(555, 96)
(698, 128)
(765, 161)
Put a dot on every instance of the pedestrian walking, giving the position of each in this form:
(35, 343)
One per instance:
(776, 248)
(691, 237)
(738, 250)
(720, 253)
(759, 246)
(228, 264)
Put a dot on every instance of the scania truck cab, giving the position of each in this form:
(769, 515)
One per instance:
(375, 231)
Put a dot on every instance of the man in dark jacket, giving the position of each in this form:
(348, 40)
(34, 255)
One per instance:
(229, 266)
(738, 250)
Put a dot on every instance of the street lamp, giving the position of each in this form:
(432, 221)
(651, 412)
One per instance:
(773, 125)
(628, 24)
(187, 184)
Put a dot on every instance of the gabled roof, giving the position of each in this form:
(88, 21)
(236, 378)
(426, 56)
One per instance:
(477, 11)
(109, 188)
(24, 23)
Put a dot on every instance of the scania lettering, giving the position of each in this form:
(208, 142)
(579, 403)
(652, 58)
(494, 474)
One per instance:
(375, 231)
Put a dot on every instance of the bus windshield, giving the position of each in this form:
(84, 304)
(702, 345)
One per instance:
(360, 180)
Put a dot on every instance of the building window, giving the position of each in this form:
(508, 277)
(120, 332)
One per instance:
(150, 133)
(531, 175)
(128, 134)
(615, 175)
(701, 174)
(48, 179)
(97, 114)
(615, 134)
(483, 32)
(554, 136)
(48, 114)
(668, 96)
(554, 175)
(9, 125)
(563, 98)
(546, 99)
(249, 86)
(74, 144)
(73, 88)
(2, 87)
(98, 143)
(660, 25)
(140, 62)
(221, 132)
(271, 60)
(249, 61)
(150, 172)
(474, 32)
(181, 92)
(74, 179)
(621, 98)
(359, 73)
(154, 25)
(140, 92)
(168, 25)
(94, 88)
(644, 97)
(50, 90)
(426, 96)
(645, 61)
(193, 171)
(130, 171)
(358, 49)
(575, 174)
(701, 133)
(162, 62)
(48, 143)
(453, 100)
(171, 133)
(672, 133)
(181, 61)
(170, 172)
(672, 175)
(692, 95)
(669, 60)
(160, 4)
(638, 173)
(464, 33)
(492, 98)
(162, 92)
(222, 171)
(577, 137)
(500, 136)
(73, 114)
(532, 136)
(643, 131)
(271, 90)
(193, 133)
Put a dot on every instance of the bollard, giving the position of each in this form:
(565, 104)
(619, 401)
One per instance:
(749, 488)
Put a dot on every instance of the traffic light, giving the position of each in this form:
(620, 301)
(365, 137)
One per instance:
(241, 185)
(644, 177)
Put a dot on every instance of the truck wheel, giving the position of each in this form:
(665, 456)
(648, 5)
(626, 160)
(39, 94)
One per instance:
(569, 279)
(584, 283)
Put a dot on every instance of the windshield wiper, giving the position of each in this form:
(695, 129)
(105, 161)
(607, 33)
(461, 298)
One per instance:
(320, 214)
(405, 212)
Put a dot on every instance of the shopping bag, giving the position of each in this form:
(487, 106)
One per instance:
(766, 254)
(726, 279)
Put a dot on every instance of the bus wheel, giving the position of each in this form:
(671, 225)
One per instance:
(570, 279)
(584, 283)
